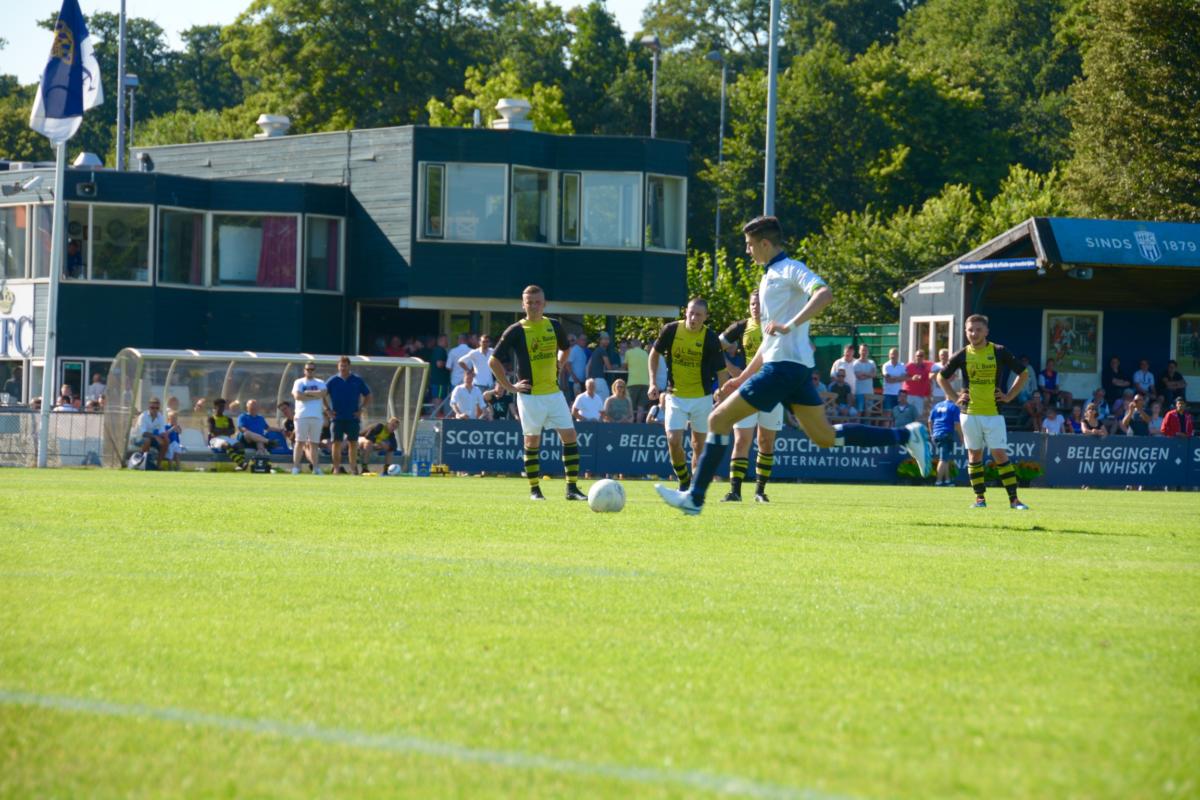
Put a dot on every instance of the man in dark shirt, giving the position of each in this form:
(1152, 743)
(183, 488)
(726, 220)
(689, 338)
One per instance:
(598, 364)
(379, 438)
(347, 394)
(500, 403)
(439, 374)
(1114, 381)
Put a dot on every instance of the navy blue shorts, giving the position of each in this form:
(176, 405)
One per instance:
(945, 447)
(787, 382)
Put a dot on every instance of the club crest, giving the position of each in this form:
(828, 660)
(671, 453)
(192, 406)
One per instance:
(64, 43)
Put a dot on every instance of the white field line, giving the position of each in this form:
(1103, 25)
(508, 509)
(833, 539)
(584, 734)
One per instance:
(702, 781)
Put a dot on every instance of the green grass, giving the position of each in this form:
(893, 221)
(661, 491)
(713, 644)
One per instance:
(232, 635)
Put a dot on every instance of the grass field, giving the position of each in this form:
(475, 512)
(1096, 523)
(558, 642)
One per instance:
(232, 635)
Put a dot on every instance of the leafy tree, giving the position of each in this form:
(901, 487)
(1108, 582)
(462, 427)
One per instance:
(1136, 133)
(548, 114)
(204, 77)
(597, 54)
(19, 142)
(532, 38)
(206, 125)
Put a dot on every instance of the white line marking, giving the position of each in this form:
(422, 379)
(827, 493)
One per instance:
(703, 781)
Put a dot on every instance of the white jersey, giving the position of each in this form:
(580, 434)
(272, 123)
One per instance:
(786, 287)
(309, 407)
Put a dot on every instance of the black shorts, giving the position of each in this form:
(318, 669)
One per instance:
(345, 429)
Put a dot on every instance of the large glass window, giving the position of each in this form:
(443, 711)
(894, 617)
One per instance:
(121, 249)
(531, 219)
(435, 196)
(665, 209)
(612, 209)
(14, 223)
(79, 240)
(475, 195)
(568, 232)
(181, 247)
(43, 230)
(323, 254)
(252, 250)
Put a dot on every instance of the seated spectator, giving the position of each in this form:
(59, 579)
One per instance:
(843, 396)
(589, 405)
(1178, 421)
(1035, 411)
(1074, 422)
(95, 390)
(1156, 420)
(1143, 379)
(1092, 424)
(1102, 409)
(173, 404)
(656, 412)
(93, 406)
(174, 444)
(1172, 385)
(287, 423)
(1118, 409)
(252, 428)
(1030, 386)
(618, 408)
(1114, 381)
(12, 386)
(903, 412)
(1136, 420)
(501, 403)
(466, 401)
(379, 438)
(1052, 423)
(1047, 382)
(395, 348)
(816, 381)
(65, 403)
(151, 429)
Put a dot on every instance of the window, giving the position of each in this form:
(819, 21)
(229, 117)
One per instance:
(43, 220)
(323, 254)
(665, 210)
(612, 209)
(568, 232)
(435, 196)
(531, 218)
(181, 247)
(14, 223)
(252, 250)
(475, 195)
(121, 243)
(931, 334)
(79, 240)
(1185, 349)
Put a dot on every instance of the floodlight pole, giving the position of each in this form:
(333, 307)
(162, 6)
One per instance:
(718, 57)
(50, 353)
(121, 91)
(772, 101)
(651, 41)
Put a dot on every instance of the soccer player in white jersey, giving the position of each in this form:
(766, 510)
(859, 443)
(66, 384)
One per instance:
(789, 295)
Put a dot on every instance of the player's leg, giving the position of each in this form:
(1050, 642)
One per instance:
(559, 418)
(997, 441)
(743, 437)
(698, 411)
(913, 437)
(765, 462)
(975, 440)
(679, 459)
(533, 415)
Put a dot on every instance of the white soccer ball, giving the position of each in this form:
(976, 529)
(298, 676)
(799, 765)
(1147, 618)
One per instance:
(394, 470)
(606, 496)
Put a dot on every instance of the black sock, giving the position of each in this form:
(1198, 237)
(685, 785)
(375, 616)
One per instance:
(762, 471)
(532, 467)
(571, 462)
(1008, 477)
(975, 471)
(737, 474)
(714, 453)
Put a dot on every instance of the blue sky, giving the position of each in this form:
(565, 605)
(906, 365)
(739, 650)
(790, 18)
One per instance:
(28, 45)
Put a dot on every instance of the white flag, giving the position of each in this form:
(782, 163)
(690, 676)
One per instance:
(71, 81)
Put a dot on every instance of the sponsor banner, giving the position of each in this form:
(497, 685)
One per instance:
(1022, 446)
(1119, 461)
(1126, 242)
(486, 446)
(1192, 454)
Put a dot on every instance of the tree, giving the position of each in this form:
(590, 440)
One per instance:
(597, 54)
(482, 93)
(204, 76)
(206, 125)
(19, 142)
(1136, 131)
(532, 38)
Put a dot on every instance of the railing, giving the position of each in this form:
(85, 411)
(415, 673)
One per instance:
(74, 439)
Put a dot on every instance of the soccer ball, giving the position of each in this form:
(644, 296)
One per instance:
(394, 470)
(606, 496)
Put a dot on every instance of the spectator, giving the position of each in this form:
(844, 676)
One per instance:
(252, 428)
(903, 412)
(395, 348)
(379, 438)
(347, 393)
(894, 376)
(1156, 420)
(1093, 424)
(936, 393)
(842, 397)
(1172, 386)
(152, 429)
(35, 404)
(309, 392)
(1119, 408)
(1052, 423)
(1102, 409)
(1178, 421)
(1031, 382)
(846, 363)
(918, 385)
(816, 381)
(287, 423)
(1114, 381)
(454, 358)
(466, 401)
(477, 360)
(65, 403)
(618, 407)
(656, 412)
(577, 362)
(944, 424)
(222, 432)
(174, 436)
(1143, 379)
(12, 386)
(94, 406)
(439, 375)
(599, 364)
(864, 377)
(1035, 411)
(74, 265)
(638, 382)
(1047, 381)
(501, 403)
(588, 406)
(1074, 422)
(1136, 421)
(96, 389)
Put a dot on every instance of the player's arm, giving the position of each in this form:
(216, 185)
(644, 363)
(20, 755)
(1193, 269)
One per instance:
(1022, 374)
(820, 298)
(733, 384)
(661, 345)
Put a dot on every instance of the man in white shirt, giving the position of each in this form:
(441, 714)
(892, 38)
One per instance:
(589, 405)
(466, 401)
(151, 428)
(95, 391)
(309, 393)
(939, 394)
(846, 363)
(894, 375)
(457, 352)
(477, 359)
(864, 377)
(1052, 423)
(1144, 379)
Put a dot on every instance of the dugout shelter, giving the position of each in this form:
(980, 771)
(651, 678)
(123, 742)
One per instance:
(189, 380)
(1077, 290)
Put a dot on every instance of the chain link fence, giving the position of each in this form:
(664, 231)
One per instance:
(75, 439)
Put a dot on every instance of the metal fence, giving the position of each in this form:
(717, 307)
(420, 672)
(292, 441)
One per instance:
(75, 439)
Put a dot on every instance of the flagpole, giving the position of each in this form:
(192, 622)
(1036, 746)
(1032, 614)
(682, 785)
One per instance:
(57, 240)
(121, 91)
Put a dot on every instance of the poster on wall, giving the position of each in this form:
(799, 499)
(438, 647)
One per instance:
(1072, 339)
